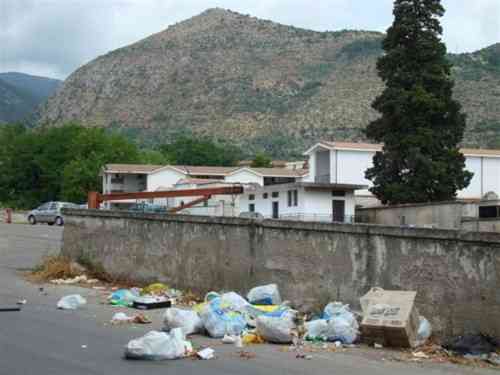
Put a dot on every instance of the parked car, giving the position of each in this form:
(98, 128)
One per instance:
(147, 208)
(49, 213)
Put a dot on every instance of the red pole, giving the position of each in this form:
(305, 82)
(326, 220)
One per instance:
(8, 215)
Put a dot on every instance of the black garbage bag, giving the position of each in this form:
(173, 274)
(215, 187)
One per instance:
(472, 344)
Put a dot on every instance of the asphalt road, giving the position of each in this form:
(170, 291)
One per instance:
(43, 340)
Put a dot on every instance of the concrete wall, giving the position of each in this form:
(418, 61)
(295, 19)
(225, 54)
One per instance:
(456, 274)
(445, 215)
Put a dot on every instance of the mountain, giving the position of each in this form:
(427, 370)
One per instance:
(21, 93)
(262, 84)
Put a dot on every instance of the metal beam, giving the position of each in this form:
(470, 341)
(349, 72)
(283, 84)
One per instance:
(95, 199)
(190, 204)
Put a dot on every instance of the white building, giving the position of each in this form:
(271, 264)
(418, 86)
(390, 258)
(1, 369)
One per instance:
(305, 201)
(346, 163)
(126, 178)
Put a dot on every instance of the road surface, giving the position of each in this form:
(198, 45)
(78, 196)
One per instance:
(43, 340)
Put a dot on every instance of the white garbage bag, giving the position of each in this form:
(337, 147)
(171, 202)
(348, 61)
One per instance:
(424, 331)
(264, 295)
(342, 324)
(220, 320)
(341, 329)
(233, 301)
(157, 346)
(189, 321)
(277, 329)
(71, 302)
(316, 329)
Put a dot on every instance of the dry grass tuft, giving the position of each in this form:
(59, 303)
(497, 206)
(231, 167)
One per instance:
(55, 267)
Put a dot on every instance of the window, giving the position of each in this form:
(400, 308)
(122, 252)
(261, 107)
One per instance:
(337, 193)
(293, 198)
(251, 207)
(265, 195)
(275, 194)
(251, 197)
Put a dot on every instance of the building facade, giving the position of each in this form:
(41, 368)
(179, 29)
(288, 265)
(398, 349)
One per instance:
(343, 162)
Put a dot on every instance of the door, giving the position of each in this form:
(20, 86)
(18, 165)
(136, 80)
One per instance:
(276, 210)
(41, 213)
(338, 211)
(51, 213)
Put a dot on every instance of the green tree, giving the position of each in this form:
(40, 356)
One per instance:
(19, 173)
(188, 150)
(262, 161)
(421, 125)
(92, 149)
(154, 157)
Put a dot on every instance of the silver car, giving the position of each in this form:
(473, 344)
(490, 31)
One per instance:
(49, 213)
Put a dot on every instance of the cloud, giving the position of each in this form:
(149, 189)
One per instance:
(54, 37)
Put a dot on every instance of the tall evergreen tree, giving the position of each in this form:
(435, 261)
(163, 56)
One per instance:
(421, 124)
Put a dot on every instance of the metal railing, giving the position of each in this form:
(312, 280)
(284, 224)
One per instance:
(323, 218)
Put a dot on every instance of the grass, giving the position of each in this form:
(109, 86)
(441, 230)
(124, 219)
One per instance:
(54, 267)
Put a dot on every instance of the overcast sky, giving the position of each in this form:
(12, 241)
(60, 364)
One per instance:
(54, 37)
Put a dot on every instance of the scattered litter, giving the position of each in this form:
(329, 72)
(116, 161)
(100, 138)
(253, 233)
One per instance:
(99, 287)
(207, 353)
(252, 338)
(22, 302)
(188, 320)
(5, 309)
(246, 355)
(472, 344)
(424, 331)
(264, 295)
(494, 359)
(303, 356)
(420, 355)
(155, 289)
(123, 297)
(148, 302)
(71, 302)
(337, 344)
(75, 280)
(228, 339)
(84, 346)
(120, 318)
(277, 329)
(238, 342)
(159, 346)
(377, 345)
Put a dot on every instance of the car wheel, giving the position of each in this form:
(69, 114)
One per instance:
(32, 220)
(59, 221)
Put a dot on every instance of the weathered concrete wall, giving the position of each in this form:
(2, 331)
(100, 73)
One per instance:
(444, 215)
(456, 274)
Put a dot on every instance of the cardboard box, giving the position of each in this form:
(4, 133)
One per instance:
(390, 318)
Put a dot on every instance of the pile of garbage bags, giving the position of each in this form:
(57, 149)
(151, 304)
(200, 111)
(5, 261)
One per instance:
(261, 317)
